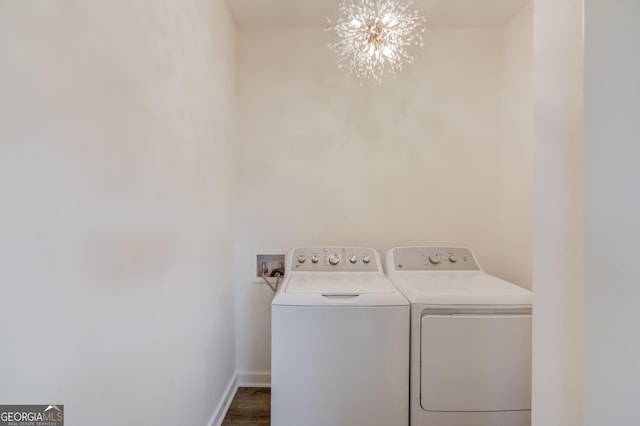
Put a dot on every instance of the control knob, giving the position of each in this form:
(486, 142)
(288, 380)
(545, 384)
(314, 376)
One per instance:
(453, 258)
(353, 259)
(434, 258)
(301, 258)
(314, 259)
(334, 259)
(366, 259)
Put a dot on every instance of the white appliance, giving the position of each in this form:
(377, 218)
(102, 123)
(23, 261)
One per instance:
(470, 339)
(339, 342)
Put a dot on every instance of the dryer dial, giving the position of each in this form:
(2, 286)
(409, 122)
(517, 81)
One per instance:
(334, 259)
(434, 258)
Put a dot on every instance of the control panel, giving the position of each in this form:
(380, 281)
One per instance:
(334, 259)
(434, 259)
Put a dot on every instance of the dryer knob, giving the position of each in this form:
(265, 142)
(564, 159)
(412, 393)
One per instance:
(453, 258)
(353, 259)
(334, 259)
(314, 258)
(301, 258)
(434, 258)
(366, 259)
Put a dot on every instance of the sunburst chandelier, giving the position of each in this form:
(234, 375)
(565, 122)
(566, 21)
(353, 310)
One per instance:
(374, 36)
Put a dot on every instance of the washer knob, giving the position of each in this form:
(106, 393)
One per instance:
(434, 258)
(453, 258)
(334, 259)
(366, 259)
(353, 259)
(314, 258)
(301, 258)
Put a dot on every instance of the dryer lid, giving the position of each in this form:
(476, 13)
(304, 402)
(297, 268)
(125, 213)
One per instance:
(459, 288)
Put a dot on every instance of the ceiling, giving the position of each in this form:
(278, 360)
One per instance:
(314, 13)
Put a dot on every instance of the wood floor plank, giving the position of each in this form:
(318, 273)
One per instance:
(250, 406)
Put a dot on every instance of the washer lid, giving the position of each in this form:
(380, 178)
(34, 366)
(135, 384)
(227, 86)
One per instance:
(338, 289)
(338, 284)
(459, 288)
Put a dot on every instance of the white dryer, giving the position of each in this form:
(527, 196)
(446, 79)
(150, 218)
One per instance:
(339, 342)
(470, 339)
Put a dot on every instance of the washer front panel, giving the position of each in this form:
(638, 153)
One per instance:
(336, 366)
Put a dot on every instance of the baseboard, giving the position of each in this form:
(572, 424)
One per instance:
(223, 405)
(244, 379)
(254, 379)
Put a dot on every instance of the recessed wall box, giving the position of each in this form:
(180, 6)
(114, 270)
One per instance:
(268, 260)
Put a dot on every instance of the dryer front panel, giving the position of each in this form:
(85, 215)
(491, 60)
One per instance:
(475, 362)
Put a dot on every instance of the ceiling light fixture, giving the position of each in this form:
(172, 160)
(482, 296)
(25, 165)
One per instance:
(374, 35)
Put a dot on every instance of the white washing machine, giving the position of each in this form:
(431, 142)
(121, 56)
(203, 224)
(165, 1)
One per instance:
(339, 342)
(470, 339)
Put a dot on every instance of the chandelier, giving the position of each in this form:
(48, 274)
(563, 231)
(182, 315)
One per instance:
(374, 35)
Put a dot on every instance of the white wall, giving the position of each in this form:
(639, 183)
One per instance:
(516, 161)
(558, 214)
(419, 159)
(116, 189)
(612, 212)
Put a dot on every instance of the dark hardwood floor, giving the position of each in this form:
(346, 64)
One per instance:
(250, 406)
